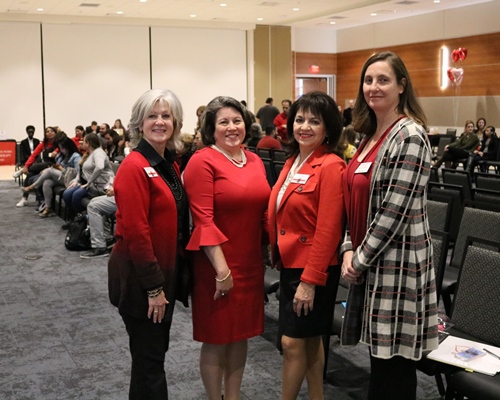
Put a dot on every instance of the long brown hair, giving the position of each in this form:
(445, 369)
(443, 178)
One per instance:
(364, 119)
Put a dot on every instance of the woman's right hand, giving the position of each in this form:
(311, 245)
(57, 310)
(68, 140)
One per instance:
(72, 184)
(349, 273)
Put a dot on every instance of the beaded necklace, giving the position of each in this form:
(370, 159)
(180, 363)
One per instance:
(237, 163)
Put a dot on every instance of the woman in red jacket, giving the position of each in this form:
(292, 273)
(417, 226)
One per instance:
(306, 220)
(42, 157)
(142, 265)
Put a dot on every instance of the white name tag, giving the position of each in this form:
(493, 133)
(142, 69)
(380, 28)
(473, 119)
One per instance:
(150, 172)
(363, 168)
(300, 178)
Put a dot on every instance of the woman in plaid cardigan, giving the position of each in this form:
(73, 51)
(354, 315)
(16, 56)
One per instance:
(388, 252)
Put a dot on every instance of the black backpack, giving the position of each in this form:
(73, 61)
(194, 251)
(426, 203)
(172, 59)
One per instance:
(78, 236)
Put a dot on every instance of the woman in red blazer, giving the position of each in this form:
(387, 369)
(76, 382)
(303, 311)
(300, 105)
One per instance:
(149, 224)
(306, 220)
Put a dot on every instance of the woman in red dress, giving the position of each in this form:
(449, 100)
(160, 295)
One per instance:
(228, 192)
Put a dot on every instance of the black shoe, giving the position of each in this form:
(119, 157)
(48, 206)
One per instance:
(95, 253)
(110, 242)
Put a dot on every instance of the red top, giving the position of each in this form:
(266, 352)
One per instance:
(228, 205)
(38, 150)
(268, 142)
(356, 188)
(279, 121)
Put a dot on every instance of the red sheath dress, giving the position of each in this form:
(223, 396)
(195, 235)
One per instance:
(228, 206)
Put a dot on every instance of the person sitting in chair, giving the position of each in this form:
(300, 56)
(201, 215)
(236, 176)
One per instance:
(461, 148)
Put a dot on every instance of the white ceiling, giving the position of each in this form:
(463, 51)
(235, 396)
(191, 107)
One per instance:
(308, 13)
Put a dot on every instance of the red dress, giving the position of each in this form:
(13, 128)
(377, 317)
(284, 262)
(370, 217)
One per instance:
(228, 205)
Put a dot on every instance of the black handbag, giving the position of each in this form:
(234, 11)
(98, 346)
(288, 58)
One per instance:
(78, 236)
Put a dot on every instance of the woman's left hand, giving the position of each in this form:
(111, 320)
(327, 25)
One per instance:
(84, 186)
(157, 307)
(304, 298)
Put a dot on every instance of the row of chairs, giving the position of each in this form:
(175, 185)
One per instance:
(474, 317)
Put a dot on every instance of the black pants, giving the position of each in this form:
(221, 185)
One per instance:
(392, 379)
(148, 344)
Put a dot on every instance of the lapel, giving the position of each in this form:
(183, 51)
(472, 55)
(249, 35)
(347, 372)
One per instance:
(308, 168)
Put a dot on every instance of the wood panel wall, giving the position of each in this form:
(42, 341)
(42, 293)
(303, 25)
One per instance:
(481, 67)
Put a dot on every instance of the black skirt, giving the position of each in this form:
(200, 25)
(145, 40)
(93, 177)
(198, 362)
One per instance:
(317, 322)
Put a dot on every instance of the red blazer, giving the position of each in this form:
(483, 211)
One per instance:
(309, 223)
(144, 256)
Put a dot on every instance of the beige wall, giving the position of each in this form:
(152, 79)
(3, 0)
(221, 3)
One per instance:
(272, 64)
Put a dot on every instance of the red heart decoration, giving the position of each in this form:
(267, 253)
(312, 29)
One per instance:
(462, 53)
(450, 74)
(455, 55)
(458, 75)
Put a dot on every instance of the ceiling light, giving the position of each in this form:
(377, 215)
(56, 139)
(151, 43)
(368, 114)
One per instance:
(332, 23)
(373, 14)
(296, 9)
(143, 1)
(260, 19)
(119, 12)
(193, 15)
(437, 1)
(39, 9)
(223, 5)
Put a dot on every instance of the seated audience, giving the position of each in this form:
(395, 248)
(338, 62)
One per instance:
(78, 139)
(269, 141)
(92, 128)
(123, 147)
(112, 147)
(118, 127)
(461, 148)
(42, 157)
(487, 151)
(197, 141)
(49, 178)
(199, 113)
(27, 146)
(351, 138)
(480, 128)
(255, 135)
(98, 210)
(94, 174)
(182, 157)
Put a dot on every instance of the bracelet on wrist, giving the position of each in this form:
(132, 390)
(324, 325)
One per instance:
(223, 279)
(154, 292)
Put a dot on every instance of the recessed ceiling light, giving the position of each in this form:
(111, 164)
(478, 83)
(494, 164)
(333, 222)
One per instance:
(223, 5)
(260, 19)
(296, 9)
(193, 15)
(143, 1)
(39, 9)
(119, 12)
(437, 1)
(373, 14)
(332, 23)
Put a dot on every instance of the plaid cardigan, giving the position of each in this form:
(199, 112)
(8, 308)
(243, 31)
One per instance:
(397, 303)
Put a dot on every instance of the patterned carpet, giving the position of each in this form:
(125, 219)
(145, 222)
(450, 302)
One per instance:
(61, 339)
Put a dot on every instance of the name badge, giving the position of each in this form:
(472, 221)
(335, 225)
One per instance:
(150, 172)
(363, 168)
(300, 178)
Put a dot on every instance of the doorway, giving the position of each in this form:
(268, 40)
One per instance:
(306, 83)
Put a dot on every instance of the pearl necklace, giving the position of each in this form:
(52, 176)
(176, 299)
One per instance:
(237, 163)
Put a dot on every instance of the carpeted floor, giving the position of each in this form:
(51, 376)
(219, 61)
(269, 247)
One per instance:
(61, 339)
